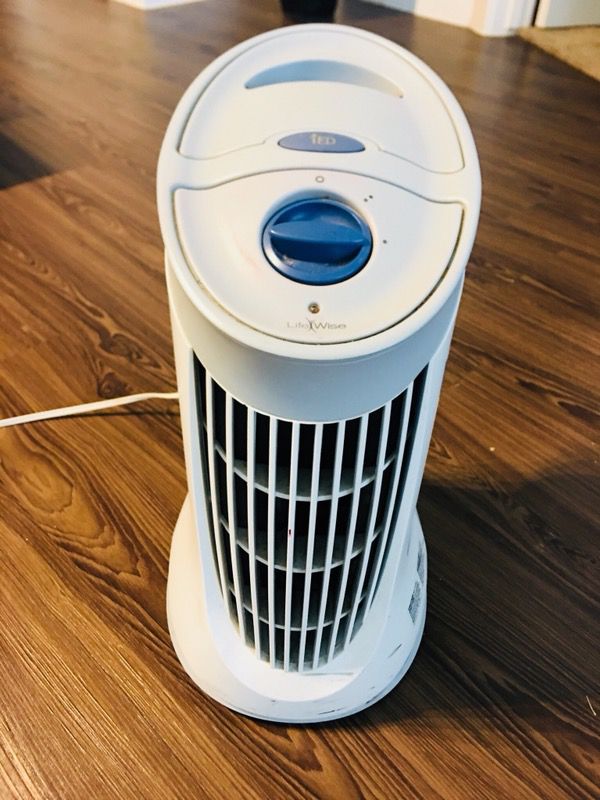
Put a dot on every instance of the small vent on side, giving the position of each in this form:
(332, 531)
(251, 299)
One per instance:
(300, 518)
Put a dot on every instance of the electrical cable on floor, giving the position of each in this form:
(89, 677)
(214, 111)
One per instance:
(87, 408)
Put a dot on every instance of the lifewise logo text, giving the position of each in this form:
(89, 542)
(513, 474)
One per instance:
(316, 325)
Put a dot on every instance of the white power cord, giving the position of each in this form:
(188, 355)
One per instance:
(87, 408)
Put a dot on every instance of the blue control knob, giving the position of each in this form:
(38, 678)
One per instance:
(317, 241)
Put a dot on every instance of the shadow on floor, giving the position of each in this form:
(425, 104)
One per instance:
(512, 599)
(17, 165)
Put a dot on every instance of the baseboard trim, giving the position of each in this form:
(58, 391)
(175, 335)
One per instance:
(150, 5)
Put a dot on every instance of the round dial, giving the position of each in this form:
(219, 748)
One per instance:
(317, 241)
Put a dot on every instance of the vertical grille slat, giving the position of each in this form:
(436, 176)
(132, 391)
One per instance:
(252, 565)
(300, 517)
(291, 535)
(335, 493)
(200, 388)
(271, 537)
(212, 478)
(310, 545)
(232, 516)
(359, 465)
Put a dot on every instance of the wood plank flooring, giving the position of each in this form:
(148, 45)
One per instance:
(503, 698)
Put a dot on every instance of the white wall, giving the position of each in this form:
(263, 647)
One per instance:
(487, 17)
(556, 13)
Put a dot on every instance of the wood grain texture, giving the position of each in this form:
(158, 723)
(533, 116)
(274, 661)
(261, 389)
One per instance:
(500, 701)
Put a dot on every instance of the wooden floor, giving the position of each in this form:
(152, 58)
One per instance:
(503, 698)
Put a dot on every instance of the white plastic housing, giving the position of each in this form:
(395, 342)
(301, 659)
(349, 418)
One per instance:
(297, 576)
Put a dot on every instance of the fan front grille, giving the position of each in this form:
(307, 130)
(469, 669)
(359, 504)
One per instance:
(300, 516)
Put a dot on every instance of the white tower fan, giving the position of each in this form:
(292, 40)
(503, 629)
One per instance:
(318, 193)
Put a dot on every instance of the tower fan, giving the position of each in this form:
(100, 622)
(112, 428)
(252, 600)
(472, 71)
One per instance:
(318, 193)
